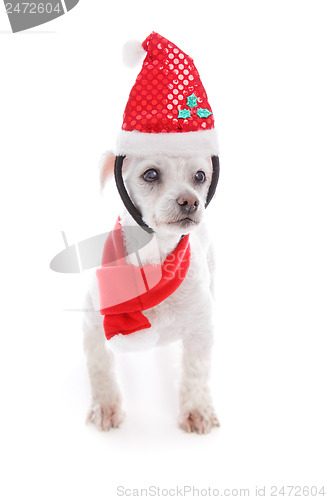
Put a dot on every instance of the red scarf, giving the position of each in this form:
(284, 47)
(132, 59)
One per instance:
(127, 290)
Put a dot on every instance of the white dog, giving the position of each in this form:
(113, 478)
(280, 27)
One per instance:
(171, 193)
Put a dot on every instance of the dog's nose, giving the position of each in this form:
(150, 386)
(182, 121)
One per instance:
(188, 203)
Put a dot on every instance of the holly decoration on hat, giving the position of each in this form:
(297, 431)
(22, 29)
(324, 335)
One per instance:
(192, 102)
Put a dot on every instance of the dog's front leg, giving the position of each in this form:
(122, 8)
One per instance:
(105, 411)
(197, 413)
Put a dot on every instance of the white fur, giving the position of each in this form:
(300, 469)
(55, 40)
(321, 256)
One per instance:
(185, 316)
(185, 144)
(106, 166)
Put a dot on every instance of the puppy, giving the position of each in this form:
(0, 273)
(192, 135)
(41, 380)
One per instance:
(170, 192)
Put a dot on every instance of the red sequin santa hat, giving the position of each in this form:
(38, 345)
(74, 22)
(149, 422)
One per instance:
(167, 110)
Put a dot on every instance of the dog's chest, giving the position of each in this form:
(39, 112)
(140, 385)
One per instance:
(190, 299)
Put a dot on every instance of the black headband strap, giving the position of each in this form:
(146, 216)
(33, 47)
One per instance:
(134, 212)
(137, 216)
(214, 179)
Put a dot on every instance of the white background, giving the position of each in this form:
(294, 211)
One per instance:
(63, 89)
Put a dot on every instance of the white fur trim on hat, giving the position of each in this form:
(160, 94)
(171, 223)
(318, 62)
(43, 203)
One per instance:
(200, 143)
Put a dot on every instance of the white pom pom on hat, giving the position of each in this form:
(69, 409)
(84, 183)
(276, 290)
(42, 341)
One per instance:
(133, 53)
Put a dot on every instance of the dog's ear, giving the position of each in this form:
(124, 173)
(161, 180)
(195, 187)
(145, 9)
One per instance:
(107, 165)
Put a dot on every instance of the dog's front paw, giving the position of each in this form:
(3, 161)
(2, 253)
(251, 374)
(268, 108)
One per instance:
(199, 421)
(105, 416)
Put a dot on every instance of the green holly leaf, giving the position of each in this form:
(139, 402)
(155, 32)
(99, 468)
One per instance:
(203, 113)
(184, 113)
(192, 101)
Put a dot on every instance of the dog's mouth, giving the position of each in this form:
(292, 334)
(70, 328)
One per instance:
(184, 222)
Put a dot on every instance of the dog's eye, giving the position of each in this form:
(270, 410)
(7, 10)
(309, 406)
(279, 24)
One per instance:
(151, 175)
(200, 177)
